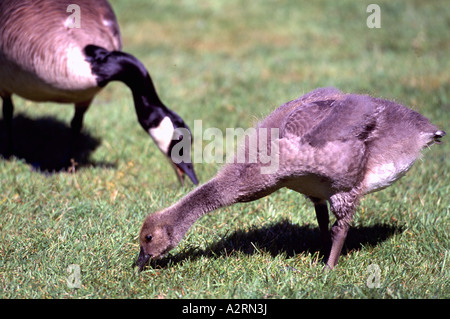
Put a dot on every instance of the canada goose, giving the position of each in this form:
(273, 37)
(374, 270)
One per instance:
(332, 147)
(45, 57)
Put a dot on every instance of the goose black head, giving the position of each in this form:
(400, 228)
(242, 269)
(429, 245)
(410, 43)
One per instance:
(174, 138)
(168, 130)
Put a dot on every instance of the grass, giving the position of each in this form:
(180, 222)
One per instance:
(229, 64)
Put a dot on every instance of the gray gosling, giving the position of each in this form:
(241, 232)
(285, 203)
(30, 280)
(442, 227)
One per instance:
(332, 147)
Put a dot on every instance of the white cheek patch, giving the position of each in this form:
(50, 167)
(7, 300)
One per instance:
(162, 134)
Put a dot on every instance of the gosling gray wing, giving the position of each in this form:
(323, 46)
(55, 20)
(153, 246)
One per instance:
(306, 117)
(330, 138)
(301, 112)
(352, 117)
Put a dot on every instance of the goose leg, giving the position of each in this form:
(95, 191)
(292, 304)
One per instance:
(8, 110)
(77, 121)
(76, 125)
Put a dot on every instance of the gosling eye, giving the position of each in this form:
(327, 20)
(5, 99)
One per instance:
(148, 238)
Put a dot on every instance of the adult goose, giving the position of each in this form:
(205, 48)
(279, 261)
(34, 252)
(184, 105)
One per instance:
(60, 52)
(332, 147)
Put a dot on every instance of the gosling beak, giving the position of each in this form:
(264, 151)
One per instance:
(142, 259)
(183, 168)
(438, 135)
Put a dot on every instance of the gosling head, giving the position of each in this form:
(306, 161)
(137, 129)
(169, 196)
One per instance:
(155, 238)
(438, 135)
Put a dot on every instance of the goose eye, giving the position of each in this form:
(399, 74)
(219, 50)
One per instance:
(148, 238)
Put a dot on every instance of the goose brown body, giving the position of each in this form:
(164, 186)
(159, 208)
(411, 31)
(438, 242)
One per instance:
(46, 56)
(41, 53)
(332, 147)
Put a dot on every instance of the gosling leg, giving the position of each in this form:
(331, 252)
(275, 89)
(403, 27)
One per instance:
(343, 207)
(8, 110)
(338, 235)
(321, 209)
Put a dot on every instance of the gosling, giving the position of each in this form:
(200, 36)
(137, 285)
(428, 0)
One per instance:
(332, 147)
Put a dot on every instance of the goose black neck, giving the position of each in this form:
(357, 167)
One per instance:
(149, 108)
(120, 66)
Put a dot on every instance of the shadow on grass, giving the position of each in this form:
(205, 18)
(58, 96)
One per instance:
(44, 143)
(282, 238)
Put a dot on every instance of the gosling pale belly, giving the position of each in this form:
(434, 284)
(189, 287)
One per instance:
(382, 176)
(312, 186)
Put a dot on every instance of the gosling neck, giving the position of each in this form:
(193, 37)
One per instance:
(202, 200)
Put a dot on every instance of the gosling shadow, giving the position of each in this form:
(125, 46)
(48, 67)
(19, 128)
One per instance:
(45, 144)
(282, 238)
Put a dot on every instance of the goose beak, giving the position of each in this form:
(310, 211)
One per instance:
(185, 168)
(142, 259)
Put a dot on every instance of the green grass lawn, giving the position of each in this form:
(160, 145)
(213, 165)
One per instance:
(230, 63)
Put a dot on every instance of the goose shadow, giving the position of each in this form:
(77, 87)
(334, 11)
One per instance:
(282, 237)
(44, 143)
